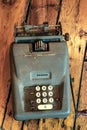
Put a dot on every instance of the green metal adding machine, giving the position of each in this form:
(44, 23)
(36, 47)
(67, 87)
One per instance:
(40, 72)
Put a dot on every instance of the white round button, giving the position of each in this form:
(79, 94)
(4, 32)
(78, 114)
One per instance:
(50, 93)
(51, 100)
(44, 100)
(37, 88)
(43, 88)
(38, 100)
(50, 87)
(38, 94)
(44, 94)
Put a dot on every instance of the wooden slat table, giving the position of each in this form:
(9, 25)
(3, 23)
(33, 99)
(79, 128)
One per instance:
(73, 18)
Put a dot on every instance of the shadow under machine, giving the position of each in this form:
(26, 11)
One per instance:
(40, 72)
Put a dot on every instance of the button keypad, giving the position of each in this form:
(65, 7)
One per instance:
(43, 97)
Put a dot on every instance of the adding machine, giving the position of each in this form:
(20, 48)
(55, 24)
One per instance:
(40, 72)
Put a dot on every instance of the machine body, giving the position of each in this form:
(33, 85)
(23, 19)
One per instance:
(40, 73)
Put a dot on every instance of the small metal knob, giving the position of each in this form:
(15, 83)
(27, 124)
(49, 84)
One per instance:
(66, 36)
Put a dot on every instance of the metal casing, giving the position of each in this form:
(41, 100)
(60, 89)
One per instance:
(25, 66)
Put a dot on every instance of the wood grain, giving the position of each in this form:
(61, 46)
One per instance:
(81, 121)
(73, 18)
(41, 11)
(9, 122)
(9, 15)
(75, 21)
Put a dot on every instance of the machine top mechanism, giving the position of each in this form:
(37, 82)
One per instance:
(44, 32)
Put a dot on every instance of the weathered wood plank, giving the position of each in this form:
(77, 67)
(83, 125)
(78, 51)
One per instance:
(37, 11)
(41, 11)
(75, 20)
(71, 22)
(81, 121)
(9, 122)
(32, 124)
(9, 15)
